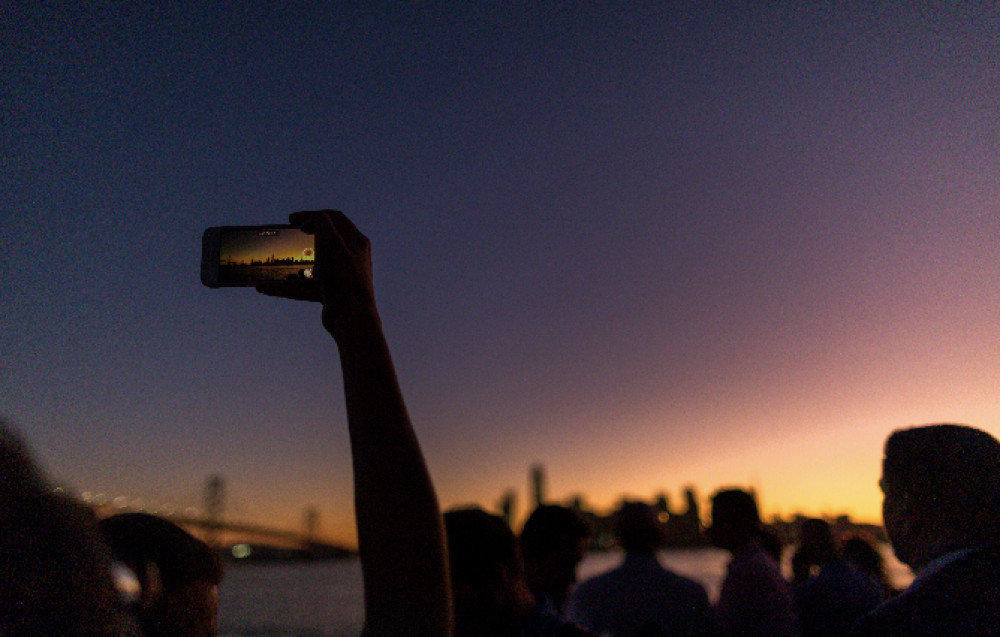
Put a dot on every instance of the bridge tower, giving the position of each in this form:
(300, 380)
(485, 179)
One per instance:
(215, 500)
(310, 524)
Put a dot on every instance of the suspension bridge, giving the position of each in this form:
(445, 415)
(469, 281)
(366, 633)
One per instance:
(210, 523)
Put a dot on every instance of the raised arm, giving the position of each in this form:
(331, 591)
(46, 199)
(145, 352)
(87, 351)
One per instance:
(400, 534)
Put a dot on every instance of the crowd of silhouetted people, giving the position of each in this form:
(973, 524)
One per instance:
(466, 573)
(502, 583)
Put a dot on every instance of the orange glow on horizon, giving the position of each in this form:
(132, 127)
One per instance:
(243, 245)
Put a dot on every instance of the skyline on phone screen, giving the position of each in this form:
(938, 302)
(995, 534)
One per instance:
(244, 246)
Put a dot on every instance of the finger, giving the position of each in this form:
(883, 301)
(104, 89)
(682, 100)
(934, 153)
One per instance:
(323, 224)
(302, 219)
(296, 290)
(305, 217)
(344, 226)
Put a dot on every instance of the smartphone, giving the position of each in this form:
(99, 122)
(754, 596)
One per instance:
(249, 255)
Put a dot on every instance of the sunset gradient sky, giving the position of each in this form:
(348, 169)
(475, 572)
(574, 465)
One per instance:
(649, 246)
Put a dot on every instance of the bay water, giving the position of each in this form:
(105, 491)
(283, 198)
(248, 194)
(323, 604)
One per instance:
(325, 599)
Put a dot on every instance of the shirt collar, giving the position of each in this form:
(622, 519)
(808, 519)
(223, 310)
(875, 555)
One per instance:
(937, 564)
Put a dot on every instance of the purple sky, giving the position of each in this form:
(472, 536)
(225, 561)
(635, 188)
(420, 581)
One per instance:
(649, 247)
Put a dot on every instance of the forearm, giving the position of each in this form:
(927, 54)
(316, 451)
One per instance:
(400, 535)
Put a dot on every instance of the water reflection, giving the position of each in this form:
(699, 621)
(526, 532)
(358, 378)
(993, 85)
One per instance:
(325, 599)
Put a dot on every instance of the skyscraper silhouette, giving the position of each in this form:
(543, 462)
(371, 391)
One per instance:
(537, 485)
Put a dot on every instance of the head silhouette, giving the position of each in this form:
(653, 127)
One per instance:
(55, 574)
(816, 541)
(491, 596)
(735, 519)
(553, 541)
(941, 488)
(178, 574)
(638, 529)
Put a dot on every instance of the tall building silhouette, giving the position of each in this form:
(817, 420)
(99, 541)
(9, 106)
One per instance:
(537, 486)
(508, 504)
(662, 508)
(686, 527)
(692, 505)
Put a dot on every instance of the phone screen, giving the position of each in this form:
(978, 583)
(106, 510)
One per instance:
(252, 254)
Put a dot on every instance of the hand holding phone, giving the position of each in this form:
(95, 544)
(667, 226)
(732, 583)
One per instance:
(403, 555)
(343, 272)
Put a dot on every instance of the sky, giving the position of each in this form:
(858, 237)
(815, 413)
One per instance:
(647, 246)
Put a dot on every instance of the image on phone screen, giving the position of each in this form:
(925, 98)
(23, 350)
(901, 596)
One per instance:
(250, 255)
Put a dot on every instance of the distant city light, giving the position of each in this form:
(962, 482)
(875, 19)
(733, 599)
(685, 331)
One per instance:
(241, 551)
(126, 583)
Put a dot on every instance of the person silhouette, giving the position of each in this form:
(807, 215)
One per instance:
(55, 574)
(492, 597)
(755, 600)
(553, 542)
(941, 509)
(771, 544)
(178, 574)
(830, 594)
(860, 550)
(641, 597)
